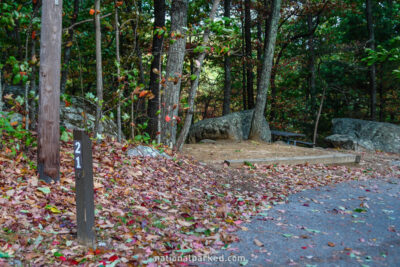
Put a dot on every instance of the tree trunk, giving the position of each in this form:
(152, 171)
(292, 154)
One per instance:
(244, 88)
(226, 107)
(311, 65)
(68, 46)
(318, 117)
(271, 33)
(49, 95)
(33, 88)
(1, 93)
(176, 54)
(259, 50)
(99, 70)
(249, 61)
(195, 84)
(27, 83)
(372, 69)
(159, 22)
(119, 124)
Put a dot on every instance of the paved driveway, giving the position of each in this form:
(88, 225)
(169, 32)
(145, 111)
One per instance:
(349, 224)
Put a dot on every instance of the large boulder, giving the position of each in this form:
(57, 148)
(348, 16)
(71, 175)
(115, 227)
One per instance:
(234, 126)
(79, 114)
(370, 135)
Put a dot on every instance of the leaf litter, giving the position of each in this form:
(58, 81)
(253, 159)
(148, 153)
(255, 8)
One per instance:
(145, 207)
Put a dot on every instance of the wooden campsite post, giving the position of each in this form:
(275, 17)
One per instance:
(84, 188)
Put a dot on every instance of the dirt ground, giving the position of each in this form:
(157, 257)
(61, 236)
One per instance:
(229, 150)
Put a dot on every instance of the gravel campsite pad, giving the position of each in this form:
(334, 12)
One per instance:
(347, 224)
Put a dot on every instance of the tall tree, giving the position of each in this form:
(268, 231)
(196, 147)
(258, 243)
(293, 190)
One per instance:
(195, 84)
(226, 108)
(176, 54)
(99, 69)
(159, 23)
(68, 46)
(1, 91)
(249, 51)
(49, 95)
(256, 130)
(118, 58)
(311, 65)
(372, 69)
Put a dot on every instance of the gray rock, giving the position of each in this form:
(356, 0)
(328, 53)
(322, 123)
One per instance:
(370, 135)
(234, 126)
(13, 117)
(342, 141)
(72, 117)
(207, 141)
(146, 151)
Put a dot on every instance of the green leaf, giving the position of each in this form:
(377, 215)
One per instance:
(185, 250)
(193, 77)
(16, 79)
(65, 136)
(45, 190)
(4, 255)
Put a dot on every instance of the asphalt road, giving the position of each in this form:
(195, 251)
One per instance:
(349, 224)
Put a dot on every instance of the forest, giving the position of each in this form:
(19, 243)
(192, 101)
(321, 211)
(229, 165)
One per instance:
(142, 76)
(344, 51)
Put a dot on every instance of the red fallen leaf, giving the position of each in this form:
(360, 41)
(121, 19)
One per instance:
(97, 251)
(304, 247)
(124, 148)
(130, 222)
(73, 262)
(67, 104)
(63, 258)
(167, 118)
(241, 203)
(113, 258)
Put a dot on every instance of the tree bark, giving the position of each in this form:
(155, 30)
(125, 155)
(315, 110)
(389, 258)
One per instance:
(33, 88)
(99, 70)
(226, 107)
(1, 93)
(311, 66)
(49, 95)
(318, 117)
(372, 69)
(271, 33)
(244, 84)
(68, 46)
(195, 84)
(249, 62)
(176, 54)
(119, 124)
(159, 22)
